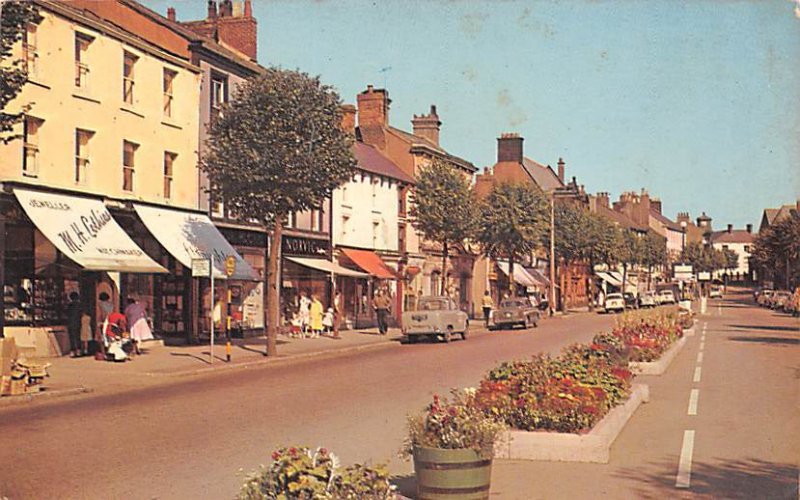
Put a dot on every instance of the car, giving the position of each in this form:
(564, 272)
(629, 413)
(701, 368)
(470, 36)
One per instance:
(647, 299)
(715, 292)
(764, 296)
(515, 312)
(779, 299)
(436, 316)
(615, 302)
(630, 300)
(666, 297)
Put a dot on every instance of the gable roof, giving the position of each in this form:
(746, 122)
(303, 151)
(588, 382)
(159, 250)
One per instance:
(543, 176)
(371, 160)
(674, 226)
(735, 236)
(620, 218)
(421, 144)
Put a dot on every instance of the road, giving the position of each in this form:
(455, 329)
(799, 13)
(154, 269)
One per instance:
(194, 438)
(728, 430)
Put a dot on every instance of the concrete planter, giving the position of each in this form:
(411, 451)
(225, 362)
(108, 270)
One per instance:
(593, 446)
(659, 366)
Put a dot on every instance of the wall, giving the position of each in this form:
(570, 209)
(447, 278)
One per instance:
(100, 109)
(744, 258)
(366, 200)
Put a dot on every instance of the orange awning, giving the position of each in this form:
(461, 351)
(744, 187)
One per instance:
(370, 262)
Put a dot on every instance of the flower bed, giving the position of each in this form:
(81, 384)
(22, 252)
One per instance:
(648, 334)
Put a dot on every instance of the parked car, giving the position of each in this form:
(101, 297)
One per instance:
(437, 317)
(779, 299)
(715, 292)
(647, 299)
(513, 312)
(630, 300)
(615, 302)
(764, 296)
(665, 297)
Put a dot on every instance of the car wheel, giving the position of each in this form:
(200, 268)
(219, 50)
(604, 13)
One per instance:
(448, 335)
(465, 332)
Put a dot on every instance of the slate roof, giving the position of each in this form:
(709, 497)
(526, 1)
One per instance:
(620, 218)
(664, 220)
(417, 141)
(543, 176)
(735, 236)
(371, 160)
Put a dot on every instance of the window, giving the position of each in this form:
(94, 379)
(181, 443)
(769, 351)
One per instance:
(82, 138)
(128, 66)
(291, 221)
(219, 95)
(401, 238)
(724, 247)
(82, 43)
(169, 78)
(375, 228)
(344, 194)
(128, 164)
(401, 201)
(345, 224)
(169, 160)
(30, 159)
(30, 56)
(375, 182)
(747, 248)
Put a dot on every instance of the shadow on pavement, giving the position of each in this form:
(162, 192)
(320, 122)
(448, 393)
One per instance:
(772, 328)
(734, 479)
(767, 340)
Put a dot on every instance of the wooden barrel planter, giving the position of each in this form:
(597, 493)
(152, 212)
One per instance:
(462, 474)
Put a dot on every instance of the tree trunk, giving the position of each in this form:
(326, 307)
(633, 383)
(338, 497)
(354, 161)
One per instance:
(624, 277)
(511, 275)
(649, 276)
(787, 272)
(444, 268)
(272, 286)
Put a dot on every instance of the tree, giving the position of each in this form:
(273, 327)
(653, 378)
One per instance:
(513, 220)
(629, 251)
(444, 209)
(778, 248)
(15, 18)
(654, 252)
(275, 149)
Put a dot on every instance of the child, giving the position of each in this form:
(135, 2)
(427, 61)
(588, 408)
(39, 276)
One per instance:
(327, 321)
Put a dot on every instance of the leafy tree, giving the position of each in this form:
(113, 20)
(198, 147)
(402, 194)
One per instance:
(778, 248)
(444, 209)
(604, 236)
(15, 18)
(278, 148)
(629, 252)
(731, 259)
(514, 218)
(654, 252)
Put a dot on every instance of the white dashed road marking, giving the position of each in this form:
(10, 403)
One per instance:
(699, 357)
(685, 465)
(697, 373)
(693, 397)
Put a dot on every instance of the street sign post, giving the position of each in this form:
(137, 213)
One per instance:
(203, 268)
(230, 269)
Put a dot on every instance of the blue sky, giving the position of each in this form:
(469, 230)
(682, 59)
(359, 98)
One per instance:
(699, 102)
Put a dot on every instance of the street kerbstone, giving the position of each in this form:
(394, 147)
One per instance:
(659, 366)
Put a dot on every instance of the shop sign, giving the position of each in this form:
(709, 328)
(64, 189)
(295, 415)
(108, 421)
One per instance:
(293, 245)
(704, 276)
(201, 268)
(230, 266)
(244, 238)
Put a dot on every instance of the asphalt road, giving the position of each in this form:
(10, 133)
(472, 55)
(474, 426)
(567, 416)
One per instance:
(196, 438)
(738, 436)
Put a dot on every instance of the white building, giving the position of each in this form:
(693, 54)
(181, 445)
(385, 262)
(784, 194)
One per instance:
(740, 241)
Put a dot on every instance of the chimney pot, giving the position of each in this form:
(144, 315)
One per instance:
(248, 8)
(212, 9)
(171, 13)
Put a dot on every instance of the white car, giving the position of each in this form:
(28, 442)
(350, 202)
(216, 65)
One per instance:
(647, 299)
(665, 297)
(615, 302)
(715, 293)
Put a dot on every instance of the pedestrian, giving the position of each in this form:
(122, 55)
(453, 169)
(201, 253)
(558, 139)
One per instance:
(488, 305)
(337, 314)
(304, 310)
(74, 312)
(136, 317)
(315, 314)
(86, 332)
(381, 304)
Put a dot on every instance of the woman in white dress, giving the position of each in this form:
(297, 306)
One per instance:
(136, 315)
(304, 312)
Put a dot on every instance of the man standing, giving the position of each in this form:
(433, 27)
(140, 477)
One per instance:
(74, 312)
(381, 303)
(488, 305)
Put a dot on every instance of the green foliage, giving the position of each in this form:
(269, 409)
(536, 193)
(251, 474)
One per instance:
(455, 423)
(443, 209)
(703, 258)
(299, 473)
(514, 218)
(16, 16)
(574, 238)
(278, 147)
(654, 250)
(778, 248)
(604, 236)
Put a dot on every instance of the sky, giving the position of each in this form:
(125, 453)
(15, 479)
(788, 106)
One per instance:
(698, 102)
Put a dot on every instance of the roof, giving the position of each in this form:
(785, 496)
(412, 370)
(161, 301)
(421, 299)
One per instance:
(543, 176)
(371, 160)
(421, 142)
(619, 218)
(665, 221)
(735, 236)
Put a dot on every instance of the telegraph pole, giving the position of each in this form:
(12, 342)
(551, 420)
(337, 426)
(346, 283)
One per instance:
(552, 251)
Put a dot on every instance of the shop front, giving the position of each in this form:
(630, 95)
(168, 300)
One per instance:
(57, 244)
(247, 298)
(357, 293)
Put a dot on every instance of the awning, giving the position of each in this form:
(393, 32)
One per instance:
(521, 276)
(327, 267)
(188, 236)
(611, 280)
(84, 230)
(370, 262)
(539, 277)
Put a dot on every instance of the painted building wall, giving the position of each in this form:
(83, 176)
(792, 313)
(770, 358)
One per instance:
(743, 250)
(98, 107)
(365, 213)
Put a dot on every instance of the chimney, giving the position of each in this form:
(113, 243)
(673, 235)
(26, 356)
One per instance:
(750, 229)
(239, 32)
(248, 8)
(730, 228)
(427, 126)
(373, 115)
(509, 148)
(171, 14)
(348, 118)
(561, 172)
(226, 8)
(655, 204)
(602, 199)
(212, 9)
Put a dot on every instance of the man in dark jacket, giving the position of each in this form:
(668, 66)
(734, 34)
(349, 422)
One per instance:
(382, 304)
(74, 311)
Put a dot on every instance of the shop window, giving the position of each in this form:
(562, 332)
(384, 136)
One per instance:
(82, 140)
(82, 43)
(29, 50)
(128, 75)
(168, 80)
(128, 164)
(30, 158)
(169, 160)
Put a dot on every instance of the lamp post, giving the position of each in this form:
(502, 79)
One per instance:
(683, 238)
(552, 252)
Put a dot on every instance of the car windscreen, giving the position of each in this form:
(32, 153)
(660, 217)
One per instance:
(433, 305)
